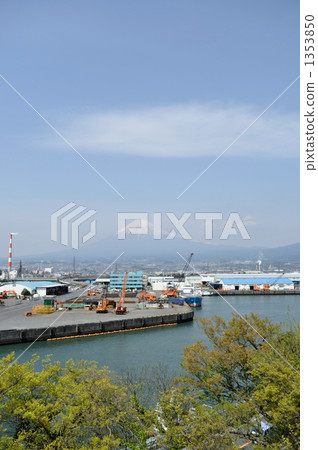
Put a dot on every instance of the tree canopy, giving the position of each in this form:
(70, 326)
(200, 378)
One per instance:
(250, 374)
(240, 385)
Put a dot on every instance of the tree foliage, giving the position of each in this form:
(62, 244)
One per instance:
(25, 292)
(241, 384)
(250, 374)
(183, 422)
(76, 407)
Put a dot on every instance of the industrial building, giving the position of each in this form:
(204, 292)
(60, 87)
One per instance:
(226, 281)
(41, 288)
(135, 280)
(250, 284)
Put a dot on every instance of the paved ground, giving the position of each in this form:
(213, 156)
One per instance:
(13, 317)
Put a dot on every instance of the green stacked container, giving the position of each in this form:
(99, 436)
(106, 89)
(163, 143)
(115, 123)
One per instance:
(48, 302)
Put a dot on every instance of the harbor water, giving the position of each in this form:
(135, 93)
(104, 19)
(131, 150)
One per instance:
(163, 345)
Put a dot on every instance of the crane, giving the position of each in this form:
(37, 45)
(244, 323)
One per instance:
(120, 308)
(186, 267)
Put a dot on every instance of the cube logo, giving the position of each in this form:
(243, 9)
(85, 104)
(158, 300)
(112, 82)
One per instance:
(66, 223)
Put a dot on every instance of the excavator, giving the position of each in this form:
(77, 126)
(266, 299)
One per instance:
(120, 308)
(146, 296)
(104, 304)
(6, 294)
(169, 293)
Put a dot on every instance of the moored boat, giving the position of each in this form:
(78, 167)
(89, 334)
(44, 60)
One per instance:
(194, 302)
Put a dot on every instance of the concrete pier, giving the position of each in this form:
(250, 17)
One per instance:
(17, 328)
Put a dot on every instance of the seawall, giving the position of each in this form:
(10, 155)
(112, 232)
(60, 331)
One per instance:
(16, 336)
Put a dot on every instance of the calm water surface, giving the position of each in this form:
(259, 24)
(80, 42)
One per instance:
(164, 344)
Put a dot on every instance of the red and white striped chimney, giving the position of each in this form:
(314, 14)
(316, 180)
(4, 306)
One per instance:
(10, 253)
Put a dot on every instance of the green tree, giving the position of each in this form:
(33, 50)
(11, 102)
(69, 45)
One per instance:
(277, 383)
(183, 422)
(243, 380)
(146, 384)
(76, 407)
(25, 292)
(249, 373)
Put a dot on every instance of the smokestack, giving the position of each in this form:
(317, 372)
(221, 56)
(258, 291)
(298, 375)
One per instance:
(10, 253)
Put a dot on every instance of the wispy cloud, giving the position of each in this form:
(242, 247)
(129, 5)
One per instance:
(183, 131)
(249, 221)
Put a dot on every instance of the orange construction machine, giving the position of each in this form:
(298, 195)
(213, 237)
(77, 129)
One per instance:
(6, 294)
(90, 292)
(121, 309)
(104, 305)
(146, 296)
(169, 293)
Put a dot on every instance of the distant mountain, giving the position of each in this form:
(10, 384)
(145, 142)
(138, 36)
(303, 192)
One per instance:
(290, 253)
(146, 247)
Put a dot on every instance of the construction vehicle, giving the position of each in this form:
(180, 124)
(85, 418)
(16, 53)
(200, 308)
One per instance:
(169, 293)
(147, 296)
(6, 294)
(90, 292)
(120, 308)
(104, 305)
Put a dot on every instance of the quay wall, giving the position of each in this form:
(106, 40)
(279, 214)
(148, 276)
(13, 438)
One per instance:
(60, 331)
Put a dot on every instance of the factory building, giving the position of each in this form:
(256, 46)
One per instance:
(41, 288)
(250, 284)
(135, 280)
(242, 281)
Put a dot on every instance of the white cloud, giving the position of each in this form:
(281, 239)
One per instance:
(183, 131)
(249, 221)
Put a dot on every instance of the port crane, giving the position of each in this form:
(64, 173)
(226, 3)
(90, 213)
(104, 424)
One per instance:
(181, 275)
(120, 308)
(187, 264)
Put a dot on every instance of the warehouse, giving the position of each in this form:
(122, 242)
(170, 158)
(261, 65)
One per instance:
(250, 284)
(41, 288)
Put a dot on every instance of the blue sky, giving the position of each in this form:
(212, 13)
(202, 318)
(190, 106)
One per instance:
(150, 93)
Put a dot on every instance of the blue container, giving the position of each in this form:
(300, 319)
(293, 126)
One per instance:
(177, 301)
